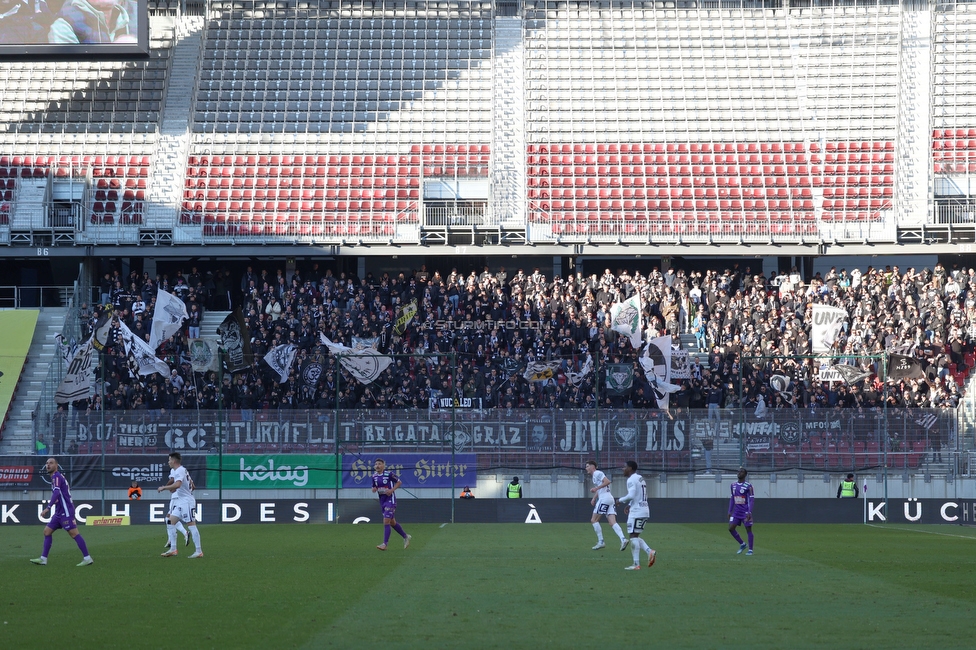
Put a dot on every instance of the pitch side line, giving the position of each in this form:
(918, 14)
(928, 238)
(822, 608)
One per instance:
(915, 530)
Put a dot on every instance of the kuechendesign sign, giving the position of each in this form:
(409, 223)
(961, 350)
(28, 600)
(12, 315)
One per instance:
(511, 511)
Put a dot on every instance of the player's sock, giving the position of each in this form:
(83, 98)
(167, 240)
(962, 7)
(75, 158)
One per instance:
(749, 535)
(643, 545)
(635, 550)
(735, 534)
(181, 529)
(171, 532)
(80, 541)
(386, 534)
(599, 532)
(196, 538)
(400, 531)
(620, 533)
(48, 540)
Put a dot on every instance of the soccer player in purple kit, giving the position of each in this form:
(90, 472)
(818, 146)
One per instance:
(386, 483)
(740, 509)
(62, 515)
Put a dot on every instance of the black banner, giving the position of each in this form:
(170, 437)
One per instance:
(514, 511)
(85, 472)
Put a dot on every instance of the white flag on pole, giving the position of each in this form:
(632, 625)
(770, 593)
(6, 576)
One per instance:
(625, 317)
(656, 362)
(827, 322)
(167, 319)
(365, 365)
(575, 378)
(144, 355)
(281, 358)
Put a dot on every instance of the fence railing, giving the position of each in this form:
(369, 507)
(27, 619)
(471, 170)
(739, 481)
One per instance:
(26, 297)
(71, 335)
(820, 440)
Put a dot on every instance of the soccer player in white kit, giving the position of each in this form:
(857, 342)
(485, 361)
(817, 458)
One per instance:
(602, 503)
(181, 505)
(637, 515)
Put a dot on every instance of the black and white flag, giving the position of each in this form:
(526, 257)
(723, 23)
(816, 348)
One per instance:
(65, 348)
(656, 362)
(80, 378)
(144, 355)
(236, 341)
(167, 319)
(365, 365)
(575, 378)
(851, 374)
(927, 421)
(904, 367)
(680, 365)
(281, 358)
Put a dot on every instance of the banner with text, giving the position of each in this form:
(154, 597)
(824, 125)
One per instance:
(85, 472)
(276, 471)
(534, 511)
(415, 470)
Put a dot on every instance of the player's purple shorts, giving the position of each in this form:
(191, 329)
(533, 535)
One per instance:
(740, 521)
(389, 510)
(57, 521)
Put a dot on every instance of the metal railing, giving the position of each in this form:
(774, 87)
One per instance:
(30, 296)
(71, 334)
(814, 440)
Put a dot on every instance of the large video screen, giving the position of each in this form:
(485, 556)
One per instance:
(46, 30)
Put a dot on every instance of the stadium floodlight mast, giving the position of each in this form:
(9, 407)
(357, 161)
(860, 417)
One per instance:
(454, 385)
(881, 359)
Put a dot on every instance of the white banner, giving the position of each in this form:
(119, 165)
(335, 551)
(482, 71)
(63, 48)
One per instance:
(144, 355)
(656, 362)
(365, 365)
(167, 319)
(78, 382)
(281, 358)
(625, 317)
(827, 322)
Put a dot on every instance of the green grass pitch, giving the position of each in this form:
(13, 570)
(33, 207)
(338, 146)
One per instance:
(492, 586)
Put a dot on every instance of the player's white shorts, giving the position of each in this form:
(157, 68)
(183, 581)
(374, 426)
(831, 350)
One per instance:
(605, 507)
(636, 524)
(182, 509)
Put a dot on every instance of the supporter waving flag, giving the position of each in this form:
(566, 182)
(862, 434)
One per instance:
(827, 323)
(167, 319)
(144, 355)
(625, 317)
(281, 358)
(365, 365)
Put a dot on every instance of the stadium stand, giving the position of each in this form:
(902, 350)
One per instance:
(410, 86)
(643, 122)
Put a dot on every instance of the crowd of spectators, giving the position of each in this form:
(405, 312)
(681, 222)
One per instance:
(734, 314)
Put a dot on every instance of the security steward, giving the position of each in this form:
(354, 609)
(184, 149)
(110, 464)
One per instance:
(847, 488)
(514, 489)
